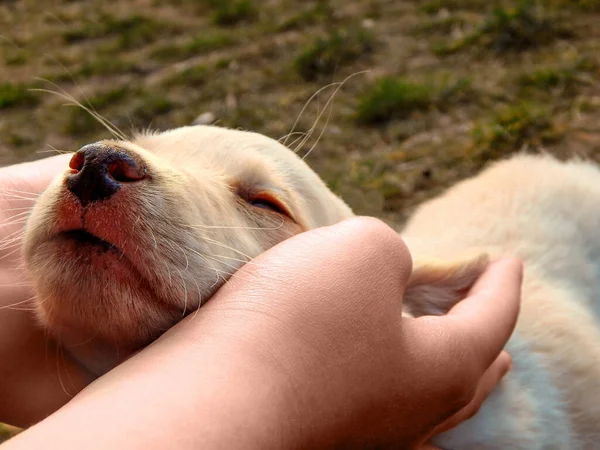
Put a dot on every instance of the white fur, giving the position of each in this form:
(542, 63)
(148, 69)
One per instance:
(545, 212)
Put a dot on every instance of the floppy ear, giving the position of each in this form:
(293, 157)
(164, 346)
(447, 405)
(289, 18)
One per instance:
(436, 286)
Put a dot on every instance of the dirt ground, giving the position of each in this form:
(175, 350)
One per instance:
(437, 88)
(451, 84)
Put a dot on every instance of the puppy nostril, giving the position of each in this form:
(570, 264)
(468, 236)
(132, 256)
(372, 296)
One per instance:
(100, 171)
(125, 170)
(76, 162)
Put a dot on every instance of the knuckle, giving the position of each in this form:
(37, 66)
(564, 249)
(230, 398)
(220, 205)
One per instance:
(382, 240)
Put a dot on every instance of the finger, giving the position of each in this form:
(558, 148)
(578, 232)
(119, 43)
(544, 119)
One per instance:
(486, 385)
(33, 176)
(487, 317)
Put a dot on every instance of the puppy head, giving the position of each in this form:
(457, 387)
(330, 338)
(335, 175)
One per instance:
(435, 286)
(134, 235)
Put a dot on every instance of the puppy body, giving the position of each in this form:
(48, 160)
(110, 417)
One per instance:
(112, 275)
(546, 213)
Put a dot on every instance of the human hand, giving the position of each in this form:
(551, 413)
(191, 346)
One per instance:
(40, 378)
(304, 347)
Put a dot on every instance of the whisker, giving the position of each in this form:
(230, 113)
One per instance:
(329, 101)
(11, 239)
(59, 353)
(185, 294)
(20, 192)
(74, 102)
(53, 150)
(235, 268)
(219, 227)
(27, 300)
(322, 131)
(18, 249)
(232, 259)
(24, 208)
(306, 106)
(19, 221)
(112, 128)
(293, 133)
(221, 244)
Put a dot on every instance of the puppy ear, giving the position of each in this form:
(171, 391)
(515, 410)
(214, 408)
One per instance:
(436, 286)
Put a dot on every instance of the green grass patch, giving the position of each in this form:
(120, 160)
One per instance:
(325, 55)
(318, 13)
(396, 97)
(393, 97)
(149, 106)
(130, 32)
(16, 56)
(567, 76)
(16, 94)
(545, 78)
(513, 127)
(525, 26)
(233, 12)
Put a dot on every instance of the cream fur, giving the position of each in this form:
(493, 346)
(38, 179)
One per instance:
(187, 227)
(179, 234)
(546, 212)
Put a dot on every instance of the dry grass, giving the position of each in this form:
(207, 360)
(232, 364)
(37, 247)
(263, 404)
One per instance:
(452, 83)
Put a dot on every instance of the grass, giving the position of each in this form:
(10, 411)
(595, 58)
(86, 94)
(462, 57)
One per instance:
(16, 56)
(393, 97)
(521, 74)
(314, 14)
(148, 107)
(567, 76)
(511, 29)
(16, 95)
(233, 12)
(514, 127)
(130, 32)
(397, 97)
(327, 54)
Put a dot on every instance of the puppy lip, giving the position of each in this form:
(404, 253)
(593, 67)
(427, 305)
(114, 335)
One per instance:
(83, 236)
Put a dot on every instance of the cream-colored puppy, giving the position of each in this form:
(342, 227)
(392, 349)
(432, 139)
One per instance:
(135, 235)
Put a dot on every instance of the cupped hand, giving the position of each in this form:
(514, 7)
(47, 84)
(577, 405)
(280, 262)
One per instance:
(305, 347)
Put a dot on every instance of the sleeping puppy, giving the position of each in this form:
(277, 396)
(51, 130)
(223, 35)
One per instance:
(134, 235)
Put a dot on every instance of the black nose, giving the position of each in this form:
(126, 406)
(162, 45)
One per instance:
(100, 171)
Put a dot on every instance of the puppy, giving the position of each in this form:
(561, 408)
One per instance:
(135, 235)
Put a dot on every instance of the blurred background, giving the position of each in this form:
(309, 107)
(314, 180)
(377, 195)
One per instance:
(450, 84)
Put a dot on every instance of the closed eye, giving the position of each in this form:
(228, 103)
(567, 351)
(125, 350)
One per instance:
(266, 201)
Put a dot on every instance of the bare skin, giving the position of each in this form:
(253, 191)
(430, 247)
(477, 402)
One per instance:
(293, 352)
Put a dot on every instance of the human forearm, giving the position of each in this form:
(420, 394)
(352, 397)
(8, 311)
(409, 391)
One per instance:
(176, 394)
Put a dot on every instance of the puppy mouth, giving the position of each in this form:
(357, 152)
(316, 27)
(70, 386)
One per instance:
(84, 237)
(95, 256)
